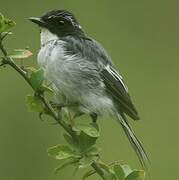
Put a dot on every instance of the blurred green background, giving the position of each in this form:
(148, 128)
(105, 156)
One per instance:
(142, 38)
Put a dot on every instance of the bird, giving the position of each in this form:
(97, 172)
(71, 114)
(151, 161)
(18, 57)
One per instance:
(82, 73)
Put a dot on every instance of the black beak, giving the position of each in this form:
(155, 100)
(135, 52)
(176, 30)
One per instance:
(38, 21)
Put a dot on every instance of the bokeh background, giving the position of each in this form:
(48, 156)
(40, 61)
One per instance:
(142, 38)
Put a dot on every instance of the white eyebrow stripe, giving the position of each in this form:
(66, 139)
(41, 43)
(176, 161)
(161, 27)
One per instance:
(70, 18)
(51, 16)
(116, 75)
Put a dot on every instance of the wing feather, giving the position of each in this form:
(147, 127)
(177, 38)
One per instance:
(116, 87)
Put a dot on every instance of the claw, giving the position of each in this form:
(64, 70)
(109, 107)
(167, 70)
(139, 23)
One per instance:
(94, 117)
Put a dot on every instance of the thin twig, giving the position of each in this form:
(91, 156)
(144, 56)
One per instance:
(98, 170)
(3, 49)
(5, 34)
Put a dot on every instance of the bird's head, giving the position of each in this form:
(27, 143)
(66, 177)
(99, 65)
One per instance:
(59, 22)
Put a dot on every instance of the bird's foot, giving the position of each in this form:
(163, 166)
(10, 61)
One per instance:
(94, 117)
(61, 105)
(58, 106)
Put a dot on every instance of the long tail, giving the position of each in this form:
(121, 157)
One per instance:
(136, 144)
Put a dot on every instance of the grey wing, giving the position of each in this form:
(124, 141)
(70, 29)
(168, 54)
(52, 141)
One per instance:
(116, 87)
(94, 53)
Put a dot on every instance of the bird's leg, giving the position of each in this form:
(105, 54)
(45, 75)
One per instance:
(61, 105)
(94, 117)
(58, 106)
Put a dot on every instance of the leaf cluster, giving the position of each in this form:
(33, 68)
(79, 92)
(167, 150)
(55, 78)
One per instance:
(5, 24)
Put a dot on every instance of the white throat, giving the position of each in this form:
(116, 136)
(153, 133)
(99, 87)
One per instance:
(46, 36)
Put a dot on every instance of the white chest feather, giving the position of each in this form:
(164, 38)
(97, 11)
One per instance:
(56, 63)
(50, 51)
(68, 74)
(46, 36)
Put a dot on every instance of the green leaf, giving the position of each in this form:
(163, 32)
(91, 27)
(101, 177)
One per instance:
(88, 174)
(136, 175)
(87, 129)
(1, 23)
(95, 125)
(93, 151)
(21, 54)
(86, 161)
(46, 89)
(85, 142)
(110, 176)
(31, 69)
(68, 163)
(127, 170)
(8, 24)
(72, 142)
(105, 167)
(66, 114)
(6, 33)
(1, 18)
(34, 104)
(5, 24)
(62, 152)
(37, 78)
(119, 171)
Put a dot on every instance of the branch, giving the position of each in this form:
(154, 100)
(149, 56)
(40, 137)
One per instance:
(2, 48)
(98, 170)
(9, 61)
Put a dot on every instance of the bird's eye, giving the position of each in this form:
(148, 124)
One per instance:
(62, 22)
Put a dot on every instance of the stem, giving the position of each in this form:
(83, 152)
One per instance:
(66, 127)
(4, 36)
(2, 48)
(98, 170)
(10, 62)
(55, 116)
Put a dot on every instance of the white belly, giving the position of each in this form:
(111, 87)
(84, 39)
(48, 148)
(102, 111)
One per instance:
(65, 73)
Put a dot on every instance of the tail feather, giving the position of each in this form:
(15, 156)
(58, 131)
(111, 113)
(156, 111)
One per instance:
(136, 144)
